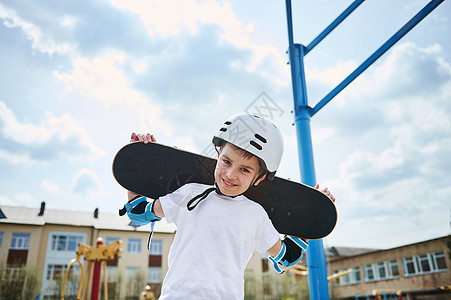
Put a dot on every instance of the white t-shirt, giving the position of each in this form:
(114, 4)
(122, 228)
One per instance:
(213, 243)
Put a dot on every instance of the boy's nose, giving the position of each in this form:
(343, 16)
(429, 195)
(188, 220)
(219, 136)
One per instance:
(231, 173)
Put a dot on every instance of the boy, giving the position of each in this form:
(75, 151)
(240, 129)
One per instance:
(218, 228)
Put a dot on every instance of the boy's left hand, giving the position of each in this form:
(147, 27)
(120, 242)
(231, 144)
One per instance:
(326, 192)
(143, 138)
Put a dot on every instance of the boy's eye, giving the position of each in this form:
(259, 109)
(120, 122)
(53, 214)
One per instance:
(225, 161)
(245, 170)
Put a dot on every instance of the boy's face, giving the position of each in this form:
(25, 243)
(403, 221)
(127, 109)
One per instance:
(234, 173)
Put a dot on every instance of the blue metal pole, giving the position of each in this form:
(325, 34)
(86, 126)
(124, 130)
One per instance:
(316, 260)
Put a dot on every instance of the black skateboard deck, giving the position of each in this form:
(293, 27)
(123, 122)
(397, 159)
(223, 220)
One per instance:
(154, 170)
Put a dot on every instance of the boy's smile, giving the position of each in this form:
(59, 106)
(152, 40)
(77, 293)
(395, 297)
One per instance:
(235, 173)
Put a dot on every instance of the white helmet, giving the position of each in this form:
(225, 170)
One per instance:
(255, 135)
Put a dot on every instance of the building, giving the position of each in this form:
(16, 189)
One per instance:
(418, 271)
(47, 240)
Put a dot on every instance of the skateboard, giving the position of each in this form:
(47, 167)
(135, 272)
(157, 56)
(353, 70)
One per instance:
(154, 170)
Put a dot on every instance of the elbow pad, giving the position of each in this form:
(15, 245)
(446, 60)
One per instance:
(140, 211)
(291, 253)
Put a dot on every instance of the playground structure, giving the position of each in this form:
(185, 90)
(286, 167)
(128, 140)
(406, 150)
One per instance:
(385, 292)
(382, 294)
(317, 271)
(302, 270)
(96, 256)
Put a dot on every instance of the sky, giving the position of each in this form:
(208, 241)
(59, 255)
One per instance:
(78, 77)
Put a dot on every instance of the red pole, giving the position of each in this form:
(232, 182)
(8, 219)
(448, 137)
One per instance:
(95, 289)
(96, 281)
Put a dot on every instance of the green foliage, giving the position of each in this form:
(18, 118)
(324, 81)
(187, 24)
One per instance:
(273, 286)
(134, 285)
(21, 283)
(114, 286)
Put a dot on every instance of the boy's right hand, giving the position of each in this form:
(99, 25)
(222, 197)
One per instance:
(143, 138)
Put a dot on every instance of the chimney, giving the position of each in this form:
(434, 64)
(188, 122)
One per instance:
(2, 215)
(96, 213)
(41, 211)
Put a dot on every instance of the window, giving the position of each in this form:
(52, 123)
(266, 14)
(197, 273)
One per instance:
(20, 241)
(409, 266)
(1, 239)
(439, 261)
(110, 240)
(55, 272)
(356, 272)
(12, 274)
(134, 246)
(155, 254)
(345, 279)
(131, 273)
(424, 263)
(62, 242)
(156, 247)
(368, 272)
(393, 269)
(112, 273)
(154, 275)
(381, 271)
(351, 278)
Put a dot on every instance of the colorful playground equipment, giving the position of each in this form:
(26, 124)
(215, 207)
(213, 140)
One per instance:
(380, 294)
(95, 255)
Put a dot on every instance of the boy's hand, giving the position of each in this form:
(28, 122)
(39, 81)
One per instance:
(143, 138)
(326, 192)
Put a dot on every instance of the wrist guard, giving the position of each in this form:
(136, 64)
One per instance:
(291, 253)
(140, 211)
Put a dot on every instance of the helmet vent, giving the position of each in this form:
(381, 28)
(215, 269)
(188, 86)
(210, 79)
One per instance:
(223, 129)
(260, 138)
(256, 145)
(228, 123)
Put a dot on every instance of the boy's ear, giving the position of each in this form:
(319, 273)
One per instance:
(260, 179)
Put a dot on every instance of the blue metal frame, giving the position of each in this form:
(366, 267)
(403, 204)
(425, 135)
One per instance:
(317, 270)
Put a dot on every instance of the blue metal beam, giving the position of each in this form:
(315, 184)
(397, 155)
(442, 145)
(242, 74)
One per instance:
(333, 25)
(378, 53)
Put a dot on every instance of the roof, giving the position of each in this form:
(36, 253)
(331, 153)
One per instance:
(108, 221)
(336, 253)
(347, 251)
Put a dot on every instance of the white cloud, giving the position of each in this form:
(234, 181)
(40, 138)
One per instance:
(41, 41)
(88, 183)
(333, 75)
(173, 17)
(407, 70)
(103, 79)
(69, 21)
(397, 169)
(24, 199)
(56, 138)
(166, 18)
(50, 187)
(4, 200)
(85, 181)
